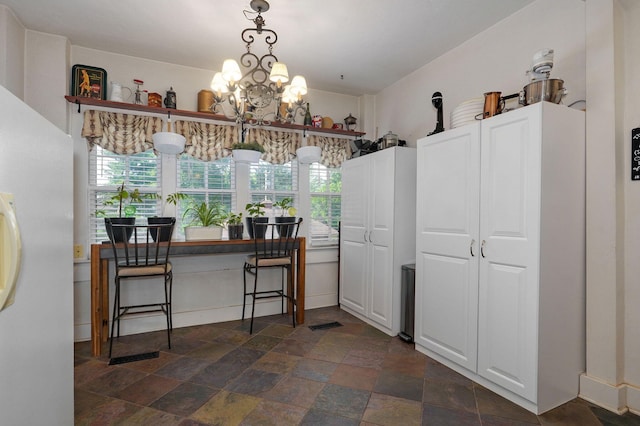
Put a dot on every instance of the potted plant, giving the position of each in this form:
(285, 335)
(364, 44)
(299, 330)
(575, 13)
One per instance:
(125, 198)
(287, 215)
(165, 218)
(255, 213)
(205, 221)
(247, 152)
(235, 226)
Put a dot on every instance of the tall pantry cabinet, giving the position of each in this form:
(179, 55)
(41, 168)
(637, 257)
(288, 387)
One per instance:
(377, 234)
(500, 253)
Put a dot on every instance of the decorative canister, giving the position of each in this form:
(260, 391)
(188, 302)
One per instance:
(170, 99)
(389, 140)
(155, 99)
(205, 100)
(316, 121)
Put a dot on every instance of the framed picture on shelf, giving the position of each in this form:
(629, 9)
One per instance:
(88, 82)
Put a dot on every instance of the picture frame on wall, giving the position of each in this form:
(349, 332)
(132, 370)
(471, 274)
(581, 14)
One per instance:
(88, 82)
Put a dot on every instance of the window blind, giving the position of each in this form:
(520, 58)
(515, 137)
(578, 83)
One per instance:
(325, 185)
(107, 172)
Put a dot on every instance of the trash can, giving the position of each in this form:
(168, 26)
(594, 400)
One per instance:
(407, 302)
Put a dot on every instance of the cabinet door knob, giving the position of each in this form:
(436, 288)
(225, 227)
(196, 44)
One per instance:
(365, 236)
(370, 235)
(471, 247)
(482, 248)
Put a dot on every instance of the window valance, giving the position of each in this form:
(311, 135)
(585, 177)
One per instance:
(123, 134)
(128, 134)
(279, 146)
(334, 150)
(207, 141)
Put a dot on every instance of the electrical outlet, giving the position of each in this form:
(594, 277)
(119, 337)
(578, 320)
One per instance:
(78, 251)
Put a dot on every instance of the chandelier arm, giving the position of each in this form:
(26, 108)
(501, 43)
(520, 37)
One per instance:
(271, 38)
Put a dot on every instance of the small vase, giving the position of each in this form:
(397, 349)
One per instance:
(235, 231)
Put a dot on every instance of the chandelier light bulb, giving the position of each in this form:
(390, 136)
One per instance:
(231, 71)
(287, 96)
(299, 86)
(279, 73)
(218, 85)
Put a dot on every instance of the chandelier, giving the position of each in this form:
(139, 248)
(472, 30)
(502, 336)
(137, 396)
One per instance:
(259, 95)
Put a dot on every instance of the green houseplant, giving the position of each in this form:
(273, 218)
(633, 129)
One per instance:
(235, 226)
(287, 215)
(205, 221)
(124, 199)
(255, 213)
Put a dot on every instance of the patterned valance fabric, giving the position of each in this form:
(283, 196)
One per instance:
(207, 141)
(279, 146)
(334, 150)
(123, 134)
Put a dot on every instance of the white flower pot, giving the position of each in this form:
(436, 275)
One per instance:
(309, 154)
(200, 233)
(246, 156)
(168, 142)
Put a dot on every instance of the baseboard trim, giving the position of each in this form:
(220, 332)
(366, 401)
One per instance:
(605, 395)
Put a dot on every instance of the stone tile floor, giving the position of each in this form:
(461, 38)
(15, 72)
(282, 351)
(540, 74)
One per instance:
(218, 374)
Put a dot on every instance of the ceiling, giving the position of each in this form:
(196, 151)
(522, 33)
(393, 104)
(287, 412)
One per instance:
(353, 47)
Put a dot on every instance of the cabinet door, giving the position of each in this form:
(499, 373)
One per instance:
(353, 235)
(381, 192)
(509, 232)
(447, 244)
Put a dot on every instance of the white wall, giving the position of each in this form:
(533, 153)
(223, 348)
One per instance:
(631, 95)
(46, 65)
(632, 192)
(494, 60)
(12, 34)
(612, 379)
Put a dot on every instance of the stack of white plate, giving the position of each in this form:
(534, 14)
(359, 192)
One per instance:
(466, 112)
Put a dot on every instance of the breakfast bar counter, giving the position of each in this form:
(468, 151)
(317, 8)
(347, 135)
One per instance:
(102, 253)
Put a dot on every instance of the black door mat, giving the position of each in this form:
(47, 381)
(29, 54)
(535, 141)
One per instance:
(325, 326)
(133, 358)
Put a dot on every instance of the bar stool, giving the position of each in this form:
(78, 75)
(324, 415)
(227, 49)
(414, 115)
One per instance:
(274, 244)
(141, 256)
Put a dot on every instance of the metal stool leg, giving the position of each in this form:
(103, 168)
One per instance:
(116, 308)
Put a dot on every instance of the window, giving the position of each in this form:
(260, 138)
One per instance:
(205, 181)
(325, 186)
(107, 172)
(273, 182)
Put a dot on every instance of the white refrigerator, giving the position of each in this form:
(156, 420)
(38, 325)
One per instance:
(36, 320)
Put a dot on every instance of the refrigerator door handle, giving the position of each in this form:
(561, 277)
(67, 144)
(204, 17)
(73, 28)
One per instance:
(11, 250)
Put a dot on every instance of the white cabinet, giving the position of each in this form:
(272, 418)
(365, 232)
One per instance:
(500, 264)
(377, 234)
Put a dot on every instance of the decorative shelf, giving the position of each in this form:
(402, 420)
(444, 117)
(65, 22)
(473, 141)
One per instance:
(80, 100)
